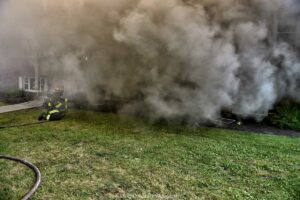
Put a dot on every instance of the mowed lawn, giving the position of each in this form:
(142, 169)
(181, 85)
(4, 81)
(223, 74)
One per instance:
(91, 155)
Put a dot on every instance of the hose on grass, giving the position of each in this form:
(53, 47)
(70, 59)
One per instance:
(19, 125)
(36, 171)
(25, 162)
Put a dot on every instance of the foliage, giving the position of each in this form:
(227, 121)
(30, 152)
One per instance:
(15, 94)
(15, 97)
(91, 155)
(287, 116)
(2, 104)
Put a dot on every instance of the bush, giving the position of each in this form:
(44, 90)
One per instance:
(15, 94)
(287, 116)
(15, 97)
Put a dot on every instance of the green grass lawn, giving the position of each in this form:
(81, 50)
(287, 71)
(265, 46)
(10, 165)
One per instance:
(2, 104)
(92, 155)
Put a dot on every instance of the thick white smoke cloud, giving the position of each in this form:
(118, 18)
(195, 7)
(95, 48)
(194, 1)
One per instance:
(175, 58)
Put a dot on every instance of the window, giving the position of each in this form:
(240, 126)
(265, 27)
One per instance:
(26, 84)
(42, 84)
(29, 84)
(32, 84)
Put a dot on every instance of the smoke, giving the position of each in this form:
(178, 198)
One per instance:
(187, 59)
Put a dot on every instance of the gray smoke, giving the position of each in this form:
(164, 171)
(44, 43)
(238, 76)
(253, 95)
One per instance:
(174, 58)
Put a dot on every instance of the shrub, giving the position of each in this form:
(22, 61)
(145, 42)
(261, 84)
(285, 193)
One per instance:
(287, 116)
(15, 97)
(15, 94)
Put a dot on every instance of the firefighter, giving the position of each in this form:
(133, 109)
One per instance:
(56, 106)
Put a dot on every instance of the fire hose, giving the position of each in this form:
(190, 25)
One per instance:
(26, 163)
(33, 168)
(19, 125)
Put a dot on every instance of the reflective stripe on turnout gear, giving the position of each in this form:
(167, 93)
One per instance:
(58, 105)
(66, 104)
(53, 111)
(50, 113)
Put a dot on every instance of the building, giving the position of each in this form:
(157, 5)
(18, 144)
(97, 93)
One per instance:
(25, 78)
(32, 84)
(282, 29)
